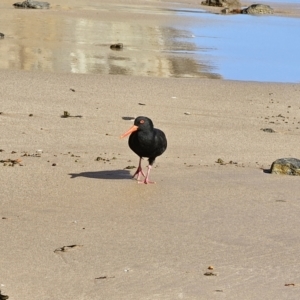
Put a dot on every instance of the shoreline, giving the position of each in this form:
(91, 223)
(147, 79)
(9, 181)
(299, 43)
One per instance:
(280, 9)
(79, 38)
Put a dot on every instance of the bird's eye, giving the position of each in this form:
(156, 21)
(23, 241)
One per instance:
(142, 122)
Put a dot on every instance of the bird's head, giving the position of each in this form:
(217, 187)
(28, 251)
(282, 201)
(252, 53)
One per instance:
(140, 123)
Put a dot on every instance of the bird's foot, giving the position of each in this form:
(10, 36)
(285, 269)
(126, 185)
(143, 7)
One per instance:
(138, 172)
(146, 181)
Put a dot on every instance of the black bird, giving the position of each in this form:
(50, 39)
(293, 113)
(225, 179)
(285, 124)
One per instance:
(145, 141)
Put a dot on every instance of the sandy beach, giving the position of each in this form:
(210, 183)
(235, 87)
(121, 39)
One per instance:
(73, 223)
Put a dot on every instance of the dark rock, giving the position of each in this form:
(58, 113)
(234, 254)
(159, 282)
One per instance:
(210, 274)
(220, 161)
(32, 4)
(3, 297)
(1, 35)
(286, 166)
(214, 2)
(258, 9)
(66, 114)
(222, 3)
(270, 130)
(118, 46)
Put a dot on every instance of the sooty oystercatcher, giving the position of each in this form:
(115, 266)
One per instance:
(145, 141)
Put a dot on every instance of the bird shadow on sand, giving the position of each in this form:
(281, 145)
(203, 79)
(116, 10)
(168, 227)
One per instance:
(107, 174)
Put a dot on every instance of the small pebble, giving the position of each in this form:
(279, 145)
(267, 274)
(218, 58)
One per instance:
(220, 161)
(270, 130)
(118, 46)
(210, 274)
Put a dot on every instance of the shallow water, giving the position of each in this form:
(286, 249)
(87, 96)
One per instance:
(255, 48)
(238, 47)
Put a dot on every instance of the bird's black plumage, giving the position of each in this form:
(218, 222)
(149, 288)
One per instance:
(146, 141)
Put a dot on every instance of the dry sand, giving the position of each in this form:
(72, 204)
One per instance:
(136, 241)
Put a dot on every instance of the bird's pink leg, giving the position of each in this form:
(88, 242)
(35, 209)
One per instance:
(139, 170)
(146, 180)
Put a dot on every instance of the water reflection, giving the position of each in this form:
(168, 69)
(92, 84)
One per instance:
(53, 42)
(238, 47)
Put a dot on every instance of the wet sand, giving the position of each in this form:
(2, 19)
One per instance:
(133, 241)
(76, 38)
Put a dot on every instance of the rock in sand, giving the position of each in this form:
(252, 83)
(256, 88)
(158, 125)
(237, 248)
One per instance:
(286, 166)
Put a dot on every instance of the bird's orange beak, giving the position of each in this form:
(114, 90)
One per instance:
(132, 129)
